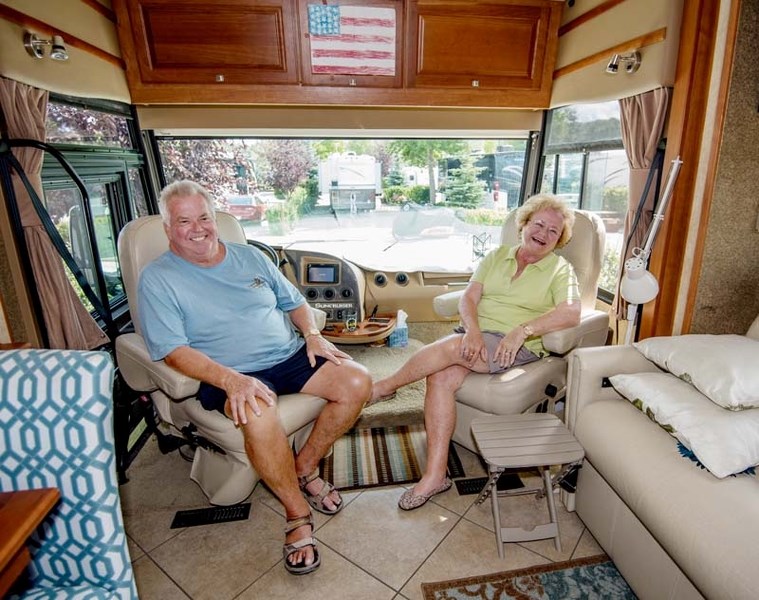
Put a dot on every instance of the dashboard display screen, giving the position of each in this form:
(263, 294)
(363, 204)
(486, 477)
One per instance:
(321, 273)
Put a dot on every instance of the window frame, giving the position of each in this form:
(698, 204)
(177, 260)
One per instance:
(585, 149)
(110, 166)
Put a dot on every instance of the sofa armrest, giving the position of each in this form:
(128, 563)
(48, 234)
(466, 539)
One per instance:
(588, 367)
(145, 375)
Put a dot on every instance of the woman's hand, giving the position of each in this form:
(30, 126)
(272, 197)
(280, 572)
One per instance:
(506, 353)
(473, 347)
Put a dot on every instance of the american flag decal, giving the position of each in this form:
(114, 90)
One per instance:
(352, 40)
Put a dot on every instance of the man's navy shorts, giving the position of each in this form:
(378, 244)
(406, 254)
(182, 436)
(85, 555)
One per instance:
(288, 377)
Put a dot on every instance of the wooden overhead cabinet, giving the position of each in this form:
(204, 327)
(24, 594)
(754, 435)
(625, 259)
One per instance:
(499, 53)
(482, 45)
(199, 42)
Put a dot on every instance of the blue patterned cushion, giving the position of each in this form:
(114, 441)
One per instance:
(56, 428)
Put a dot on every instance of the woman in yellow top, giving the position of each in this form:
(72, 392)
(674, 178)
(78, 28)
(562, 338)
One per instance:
(516, 295)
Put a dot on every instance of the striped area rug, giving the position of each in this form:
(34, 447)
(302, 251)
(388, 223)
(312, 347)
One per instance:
(365, 458)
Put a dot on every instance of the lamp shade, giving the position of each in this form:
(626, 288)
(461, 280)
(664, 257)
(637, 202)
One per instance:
(638, 285)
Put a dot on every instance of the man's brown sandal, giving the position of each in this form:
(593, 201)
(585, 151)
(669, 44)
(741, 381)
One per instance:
(300, 568)
(317, 500)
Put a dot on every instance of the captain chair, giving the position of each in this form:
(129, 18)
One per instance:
(220, 465)
(538, 384)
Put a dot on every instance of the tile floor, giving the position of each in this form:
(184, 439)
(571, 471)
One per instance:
(370, 550)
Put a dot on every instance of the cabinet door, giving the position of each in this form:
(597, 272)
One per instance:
(201, 42)
(496, 44)
(351, 42)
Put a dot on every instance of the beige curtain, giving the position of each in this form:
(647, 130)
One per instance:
(642, 120)
(67, 321)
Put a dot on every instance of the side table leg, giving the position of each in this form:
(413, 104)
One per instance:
(495, 473)
(552, 507)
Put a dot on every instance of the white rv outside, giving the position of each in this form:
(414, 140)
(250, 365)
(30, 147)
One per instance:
(352, 181)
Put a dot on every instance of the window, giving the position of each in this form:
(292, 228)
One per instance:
(584, 162)
(98, 141)
(410, 204)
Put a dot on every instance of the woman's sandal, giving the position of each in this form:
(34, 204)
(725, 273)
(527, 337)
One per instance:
(317, 500)
(300, 568)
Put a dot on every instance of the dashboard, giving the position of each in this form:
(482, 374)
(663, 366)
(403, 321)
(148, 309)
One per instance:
(328, 283)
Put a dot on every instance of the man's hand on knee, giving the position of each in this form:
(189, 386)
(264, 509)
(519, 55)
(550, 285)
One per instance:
(243, 391)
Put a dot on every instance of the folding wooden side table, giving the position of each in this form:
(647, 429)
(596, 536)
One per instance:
(530, 440)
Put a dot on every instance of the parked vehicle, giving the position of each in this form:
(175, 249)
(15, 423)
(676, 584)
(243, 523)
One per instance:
(246, 208)
(352, 181)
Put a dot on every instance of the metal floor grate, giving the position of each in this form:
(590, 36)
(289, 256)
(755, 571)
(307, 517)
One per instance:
(211, 515)
(474, 485)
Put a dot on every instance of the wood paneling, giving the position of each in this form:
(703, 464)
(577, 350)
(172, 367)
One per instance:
(684, 138)
(494, 45)
(238, 42)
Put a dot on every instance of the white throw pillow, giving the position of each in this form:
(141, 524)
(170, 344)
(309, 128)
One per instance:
(726, 442)
(723, 367)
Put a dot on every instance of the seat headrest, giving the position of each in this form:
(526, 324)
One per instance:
(585, 250)
(144, 239)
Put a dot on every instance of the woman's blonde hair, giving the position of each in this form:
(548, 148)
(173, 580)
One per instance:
(547, 202)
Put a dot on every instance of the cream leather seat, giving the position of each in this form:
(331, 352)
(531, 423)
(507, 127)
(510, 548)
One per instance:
(225, 477)
(525, 388)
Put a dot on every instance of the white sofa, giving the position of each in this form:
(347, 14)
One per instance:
(674, 530)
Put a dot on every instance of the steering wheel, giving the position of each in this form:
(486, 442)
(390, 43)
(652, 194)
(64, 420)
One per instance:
(267, 250)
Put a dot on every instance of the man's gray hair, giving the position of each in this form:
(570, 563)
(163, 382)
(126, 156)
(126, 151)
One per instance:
(182, 189)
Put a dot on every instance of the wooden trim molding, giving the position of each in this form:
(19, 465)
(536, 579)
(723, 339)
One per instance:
(635, 43)
(688, 112)
(103, 10)
(716, 142)
(588, 16)
(24, 20)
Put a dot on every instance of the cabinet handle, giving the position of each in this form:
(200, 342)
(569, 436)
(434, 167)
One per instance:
(352, 82)
(475, 83)
(219, 78)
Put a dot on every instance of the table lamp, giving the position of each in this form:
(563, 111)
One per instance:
(638, 284)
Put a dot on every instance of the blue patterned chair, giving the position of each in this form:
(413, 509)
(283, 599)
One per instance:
(56, 430)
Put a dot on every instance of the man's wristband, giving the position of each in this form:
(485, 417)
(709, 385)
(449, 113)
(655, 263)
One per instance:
(310, 332)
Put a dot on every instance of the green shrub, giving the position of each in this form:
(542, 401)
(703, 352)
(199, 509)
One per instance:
(609, 269)
(481, 216)
(419, 194)
(395, 194)
(615, 199)
(280, 213)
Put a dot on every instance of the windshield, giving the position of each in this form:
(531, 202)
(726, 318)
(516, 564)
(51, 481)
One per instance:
(410, 205)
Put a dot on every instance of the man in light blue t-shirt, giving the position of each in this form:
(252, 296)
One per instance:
(222, 313)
